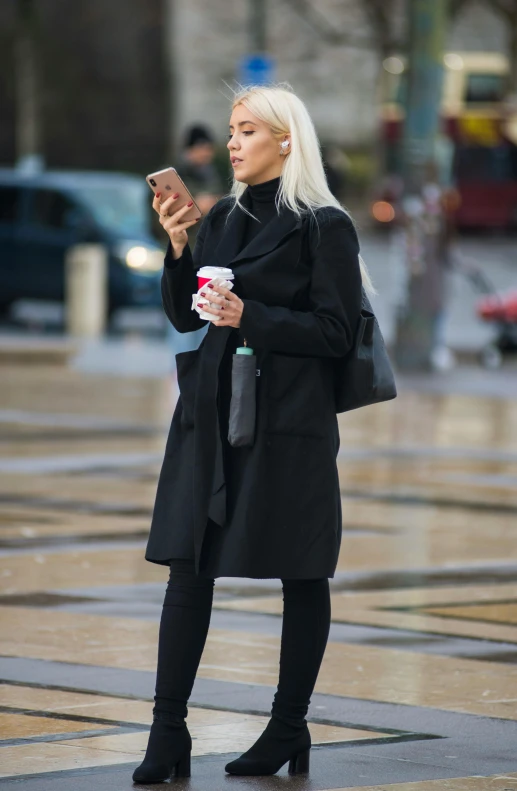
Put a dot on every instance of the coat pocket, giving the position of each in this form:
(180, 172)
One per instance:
(299, 396)
(187, 364)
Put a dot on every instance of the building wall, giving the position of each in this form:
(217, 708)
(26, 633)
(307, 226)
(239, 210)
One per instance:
(107, 100)
(338, 83)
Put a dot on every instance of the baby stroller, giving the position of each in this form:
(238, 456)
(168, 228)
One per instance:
(501, 311)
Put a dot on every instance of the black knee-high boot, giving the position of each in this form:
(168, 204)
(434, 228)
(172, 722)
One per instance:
(305, 631)
(183, 629)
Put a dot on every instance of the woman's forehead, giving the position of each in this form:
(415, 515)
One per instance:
(241, 115)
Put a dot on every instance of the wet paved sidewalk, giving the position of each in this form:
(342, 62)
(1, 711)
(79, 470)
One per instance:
(418, 689)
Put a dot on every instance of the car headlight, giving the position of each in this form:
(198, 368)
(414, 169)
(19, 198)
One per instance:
(141, 258)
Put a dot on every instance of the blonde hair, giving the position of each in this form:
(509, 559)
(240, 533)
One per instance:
(303, 184)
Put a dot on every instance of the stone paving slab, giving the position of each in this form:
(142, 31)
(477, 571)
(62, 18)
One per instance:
(423, 596)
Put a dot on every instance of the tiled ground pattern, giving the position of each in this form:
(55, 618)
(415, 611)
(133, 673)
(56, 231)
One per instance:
(418, 688)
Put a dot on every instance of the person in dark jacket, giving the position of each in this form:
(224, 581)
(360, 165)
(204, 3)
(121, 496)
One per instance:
(271, 509)
(196, 168)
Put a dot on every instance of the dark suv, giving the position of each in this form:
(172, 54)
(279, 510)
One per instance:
(43, 214)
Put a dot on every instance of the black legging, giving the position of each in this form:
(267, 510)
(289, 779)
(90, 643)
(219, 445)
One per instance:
(184, 626)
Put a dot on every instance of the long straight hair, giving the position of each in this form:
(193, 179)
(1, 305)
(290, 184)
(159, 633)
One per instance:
(303, 184)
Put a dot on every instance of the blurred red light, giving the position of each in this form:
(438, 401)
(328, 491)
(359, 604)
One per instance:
(382, 211)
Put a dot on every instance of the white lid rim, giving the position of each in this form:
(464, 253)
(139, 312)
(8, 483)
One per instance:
(216, 270)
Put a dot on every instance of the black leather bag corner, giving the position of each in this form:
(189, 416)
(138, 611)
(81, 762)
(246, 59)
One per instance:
(365, 375)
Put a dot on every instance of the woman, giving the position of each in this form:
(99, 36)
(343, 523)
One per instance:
(272, 510)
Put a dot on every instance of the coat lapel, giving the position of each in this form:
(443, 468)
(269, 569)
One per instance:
(230, 249)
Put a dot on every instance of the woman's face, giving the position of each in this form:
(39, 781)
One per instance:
(254, 151)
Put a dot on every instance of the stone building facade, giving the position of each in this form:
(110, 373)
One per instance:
(338, 83)
(120, 80)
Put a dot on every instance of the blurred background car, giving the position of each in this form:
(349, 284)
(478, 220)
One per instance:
(44, 214)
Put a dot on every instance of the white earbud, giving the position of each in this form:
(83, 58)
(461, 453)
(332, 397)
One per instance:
(285, 144)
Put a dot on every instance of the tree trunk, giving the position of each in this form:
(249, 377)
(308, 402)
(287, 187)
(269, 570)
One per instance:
(424, 222)
(169, 37)
(28, 134)
(512, 51)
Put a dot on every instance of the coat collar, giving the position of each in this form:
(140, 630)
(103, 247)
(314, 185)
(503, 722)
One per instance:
(229, 251)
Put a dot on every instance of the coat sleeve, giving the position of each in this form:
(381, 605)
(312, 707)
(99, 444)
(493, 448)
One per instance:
(179, 282)
(327, 329)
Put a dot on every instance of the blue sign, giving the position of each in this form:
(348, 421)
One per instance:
(256, 69)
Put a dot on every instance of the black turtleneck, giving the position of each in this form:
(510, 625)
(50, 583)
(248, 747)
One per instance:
(262, 206)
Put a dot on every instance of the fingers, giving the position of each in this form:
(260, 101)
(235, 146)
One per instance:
(163, 208)
(156, 203)
(213, 298)
(230, 318)
(167, 204)
(173, 221)
(207, 309)
(229, 314)
(170, 224)
(221, 290)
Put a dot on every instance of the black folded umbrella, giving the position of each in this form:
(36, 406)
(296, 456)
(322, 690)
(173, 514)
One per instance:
(241, 426)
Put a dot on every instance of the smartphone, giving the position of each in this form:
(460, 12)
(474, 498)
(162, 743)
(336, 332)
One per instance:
(168, 182)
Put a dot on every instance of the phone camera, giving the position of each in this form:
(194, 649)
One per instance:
(152, 182)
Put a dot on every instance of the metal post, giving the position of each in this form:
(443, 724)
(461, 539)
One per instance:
(427, 22)
(171, 65)
(28, 134)
(424, 250)
(86, 269)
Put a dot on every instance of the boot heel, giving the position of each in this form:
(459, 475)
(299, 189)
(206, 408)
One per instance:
(300, 763)
(183, 765)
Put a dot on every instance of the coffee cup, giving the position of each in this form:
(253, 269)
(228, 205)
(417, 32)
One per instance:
(207, 273)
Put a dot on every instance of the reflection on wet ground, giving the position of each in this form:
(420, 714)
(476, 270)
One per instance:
(418, 689)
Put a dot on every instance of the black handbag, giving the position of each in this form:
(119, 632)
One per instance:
(365, 375)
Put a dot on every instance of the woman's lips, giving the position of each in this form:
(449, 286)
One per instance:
(236, 162)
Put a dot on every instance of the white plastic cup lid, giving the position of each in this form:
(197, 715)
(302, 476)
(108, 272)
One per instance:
(215, 271)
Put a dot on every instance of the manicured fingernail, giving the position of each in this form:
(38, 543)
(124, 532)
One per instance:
(158, 194)
(190, 203)
(200, 305)
(203, 294)
(209, 285)
(176, 195)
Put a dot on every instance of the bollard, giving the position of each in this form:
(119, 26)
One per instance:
(86, 269)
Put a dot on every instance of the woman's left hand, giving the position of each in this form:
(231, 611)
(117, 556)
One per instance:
(231, 308)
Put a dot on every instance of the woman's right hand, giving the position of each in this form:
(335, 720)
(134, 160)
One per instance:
(173, 224)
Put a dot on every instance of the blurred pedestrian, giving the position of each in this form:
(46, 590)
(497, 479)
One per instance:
(270, 508)
(196, 168)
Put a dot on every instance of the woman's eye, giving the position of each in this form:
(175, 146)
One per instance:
(244, 133)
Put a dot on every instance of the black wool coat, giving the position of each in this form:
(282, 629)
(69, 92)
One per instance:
(272, 510)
